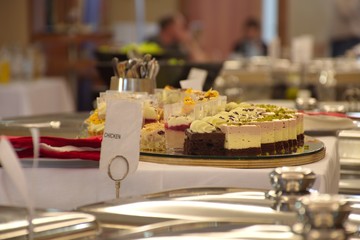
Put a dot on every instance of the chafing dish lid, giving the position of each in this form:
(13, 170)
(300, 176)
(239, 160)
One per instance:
(48, 224)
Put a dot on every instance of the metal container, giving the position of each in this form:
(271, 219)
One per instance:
(133, 84)
(245, 206)
(47, 224)
(230, 213)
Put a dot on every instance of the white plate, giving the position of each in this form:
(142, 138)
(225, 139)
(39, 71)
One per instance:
(327, 123)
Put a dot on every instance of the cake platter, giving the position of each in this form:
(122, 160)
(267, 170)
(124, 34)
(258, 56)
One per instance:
(313, 151)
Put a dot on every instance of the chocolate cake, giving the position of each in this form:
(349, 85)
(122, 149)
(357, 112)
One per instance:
(204, 143)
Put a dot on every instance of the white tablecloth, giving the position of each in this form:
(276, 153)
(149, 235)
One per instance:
(43, 96)
(69, 188)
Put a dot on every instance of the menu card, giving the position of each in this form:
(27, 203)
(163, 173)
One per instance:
(121, 136)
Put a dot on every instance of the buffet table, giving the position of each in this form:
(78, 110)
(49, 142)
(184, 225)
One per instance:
(42, 96)
(67, 188)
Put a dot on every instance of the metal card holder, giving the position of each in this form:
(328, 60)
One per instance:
(118, 180)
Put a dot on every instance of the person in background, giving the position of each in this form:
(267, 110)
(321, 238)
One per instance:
(176, 39)
(251, 44)
(346, 26)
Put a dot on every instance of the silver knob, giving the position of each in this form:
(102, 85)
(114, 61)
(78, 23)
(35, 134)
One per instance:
(324, 211)
(322, 216)
(292, 179)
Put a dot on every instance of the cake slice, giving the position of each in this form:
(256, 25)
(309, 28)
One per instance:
(242, 140)
(175, 131)
(300, 129)
(279, 138)
(153, 137)
(267, 137)
(203, 138)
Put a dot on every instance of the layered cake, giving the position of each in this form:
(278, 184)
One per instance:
(175, 131)
(279, 138)
(300, 129)
(242, 140)
(267, 132)
(249, 130)
(150, 114)
(203, 138)
(153, 137)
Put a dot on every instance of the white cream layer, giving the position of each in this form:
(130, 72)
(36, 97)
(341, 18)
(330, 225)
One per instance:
(267, 132)
(242, 137)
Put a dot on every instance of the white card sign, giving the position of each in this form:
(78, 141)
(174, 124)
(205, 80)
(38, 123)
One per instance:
(193, 84)
(121, 135)
(195, 80)
(198, 74)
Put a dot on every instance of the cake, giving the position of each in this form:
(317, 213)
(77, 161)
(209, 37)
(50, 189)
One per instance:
(242, 140)
(153, 137)
(292, 135)
(95, 124)
(279, 138)
(203, 138)
(249, 130)
(267, 133)
(175, 131)
(300, 129)
(150, 114)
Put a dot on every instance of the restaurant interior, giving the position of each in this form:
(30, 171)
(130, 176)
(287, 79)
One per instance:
(180, 119)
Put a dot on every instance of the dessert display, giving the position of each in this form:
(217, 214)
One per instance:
(204, 124)
(189, 122)
(247, 130)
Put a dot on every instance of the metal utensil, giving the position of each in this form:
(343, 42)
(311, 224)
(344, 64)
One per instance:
(115, 62)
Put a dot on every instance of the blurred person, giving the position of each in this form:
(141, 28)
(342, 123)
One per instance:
(346, 26)
(176, 39)
(251, 44)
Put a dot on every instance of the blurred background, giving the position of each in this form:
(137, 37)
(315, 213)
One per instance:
(73, 41)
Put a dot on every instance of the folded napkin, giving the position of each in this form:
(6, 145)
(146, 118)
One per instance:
(61, 148)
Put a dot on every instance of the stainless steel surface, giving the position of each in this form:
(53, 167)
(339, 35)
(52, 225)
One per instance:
(319, 217)
(133, 84)
(190, 204)
(349, 156)
(67, 125)
(47, 224)
(212, 204)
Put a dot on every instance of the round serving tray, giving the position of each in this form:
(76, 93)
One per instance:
(313, 151)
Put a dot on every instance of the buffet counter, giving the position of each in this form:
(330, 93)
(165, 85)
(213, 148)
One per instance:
(66, 187)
